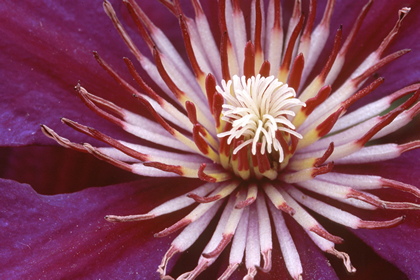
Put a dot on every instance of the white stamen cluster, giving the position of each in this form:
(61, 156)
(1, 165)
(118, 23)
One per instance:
(257, 108)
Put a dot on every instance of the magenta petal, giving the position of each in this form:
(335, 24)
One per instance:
(54, 170)
(395, 169)
(379, 21)
(400, 245)
(66, 237)
(46, 48)
(314, 261)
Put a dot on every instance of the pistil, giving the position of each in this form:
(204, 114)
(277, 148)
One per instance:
(258, 114)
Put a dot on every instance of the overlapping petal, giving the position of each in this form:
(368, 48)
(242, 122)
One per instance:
(42, 72)
(66, 237)
(46, 48)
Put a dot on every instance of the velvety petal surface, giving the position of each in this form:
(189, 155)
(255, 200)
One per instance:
(66, 236)
(54, 170)
(46, 50)
(399, 245)
(377, 24)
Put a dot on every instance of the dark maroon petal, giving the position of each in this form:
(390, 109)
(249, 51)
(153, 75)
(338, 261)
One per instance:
(379, 21)
(314, 261)
(400, 245)
(46, 48)
(66, 236)
(404, 168)
(377, 25)
(54, 170)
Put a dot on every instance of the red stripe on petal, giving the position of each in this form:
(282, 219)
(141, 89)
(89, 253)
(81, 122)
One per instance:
(210, 90)
(220, 247)
(205, 177)
(203, 199)
(314, 102)
(325, 234)
(265, 69)
(325, 156)
(249, 62)
(363, 92)
(334, 52)
(381, 224)
(295, 75)
(285, 66)
(175, 227)
(188, 47)
(166, 167)
(328, 124)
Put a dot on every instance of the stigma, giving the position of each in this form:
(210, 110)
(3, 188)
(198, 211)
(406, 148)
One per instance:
(257, 115)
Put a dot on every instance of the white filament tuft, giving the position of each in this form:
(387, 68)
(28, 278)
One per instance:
(257, 108)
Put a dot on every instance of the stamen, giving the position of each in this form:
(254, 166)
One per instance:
(129, 218)
(278, 200)
(258, 32)
(287, 245)
(339, 62)
(345, 257)
(306, 174)
(368, 182)
(238, 246)
(194, 215)
(265, 233)
(164, 263)
(229, 230)
(251, 196)
(189, 48)
(295, 74)
(274, 39)
(224, 190)
(257, 109)
(253, 246)
(287, 58)
(249, 63)
(61, 140)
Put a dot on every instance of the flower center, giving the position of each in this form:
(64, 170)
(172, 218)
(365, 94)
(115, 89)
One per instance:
(258, 131)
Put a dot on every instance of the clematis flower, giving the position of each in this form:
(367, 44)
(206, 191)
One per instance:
(278, 117)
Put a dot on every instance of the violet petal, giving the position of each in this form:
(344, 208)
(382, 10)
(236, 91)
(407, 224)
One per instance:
(66, 237)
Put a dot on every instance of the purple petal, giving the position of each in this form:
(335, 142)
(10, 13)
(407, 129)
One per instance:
(54, 170)
(46, 49)
(314, 261)
(379, 21)
(66, 236)
(400, 245)
(404, 168)
(45, 54)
